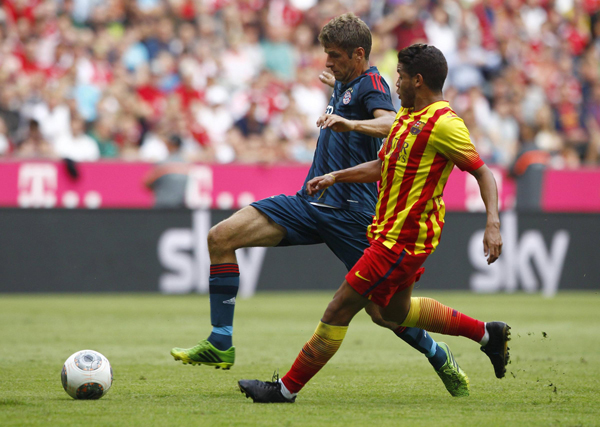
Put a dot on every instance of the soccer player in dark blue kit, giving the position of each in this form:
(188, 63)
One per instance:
(360, 113)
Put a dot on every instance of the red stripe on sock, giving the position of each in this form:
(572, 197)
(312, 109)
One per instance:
(224, 268)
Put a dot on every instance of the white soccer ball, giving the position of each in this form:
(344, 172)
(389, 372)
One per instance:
(87, 374)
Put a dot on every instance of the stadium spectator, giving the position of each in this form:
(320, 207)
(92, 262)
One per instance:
(154, 144)
(76, 145)
(34, 145)
(406, 24)
(250, 123)
(53, 115)
(102, 133)
(504, 131)
(5, 146)
(9, 110)
(168, 180)
(104, 59)
(128, 137)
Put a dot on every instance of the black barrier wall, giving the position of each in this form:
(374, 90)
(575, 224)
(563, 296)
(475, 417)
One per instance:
(151, 250)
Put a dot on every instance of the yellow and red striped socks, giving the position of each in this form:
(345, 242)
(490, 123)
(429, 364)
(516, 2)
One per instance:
(433, 316)
(314, 355)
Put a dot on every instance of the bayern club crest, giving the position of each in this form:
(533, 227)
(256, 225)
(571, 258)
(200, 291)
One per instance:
(347, 97)
(417, 128)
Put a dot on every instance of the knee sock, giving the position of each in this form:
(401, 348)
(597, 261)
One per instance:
(314, 355)
(223, 287)
(422, 341)
(429, 314)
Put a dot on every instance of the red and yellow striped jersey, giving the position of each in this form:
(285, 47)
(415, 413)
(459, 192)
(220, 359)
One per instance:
(417, 158)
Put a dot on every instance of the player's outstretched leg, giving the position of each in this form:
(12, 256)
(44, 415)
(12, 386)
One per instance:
(217, 350)
(324, 343)
(454, 378)
(433, 316)
(246, 228)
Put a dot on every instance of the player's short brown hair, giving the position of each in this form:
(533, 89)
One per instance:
(347, 32)
(428, 61)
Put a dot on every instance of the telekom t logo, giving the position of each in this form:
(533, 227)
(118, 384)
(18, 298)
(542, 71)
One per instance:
(37, 185)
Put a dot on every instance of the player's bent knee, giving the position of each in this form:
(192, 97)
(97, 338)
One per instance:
(375, 312)
(332, 313)
(378, 319)
(218, 239)
(337, 313)
(344, 306)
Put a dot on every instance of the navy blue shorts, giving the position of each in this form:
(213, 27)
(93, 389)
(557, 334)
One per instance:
(343, 231)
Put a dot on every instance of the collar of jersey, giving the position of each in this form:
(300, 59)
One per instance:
(429, 105)
(350, 83)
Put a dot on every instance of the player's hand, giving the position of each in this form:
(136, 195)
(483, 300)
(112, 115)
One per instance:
(492, 242)
(319, 183)
(335, 122)
(327, 78)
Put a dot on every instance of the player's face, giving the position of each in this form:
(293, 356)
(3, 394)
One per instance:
(342, 67)
(405, 88)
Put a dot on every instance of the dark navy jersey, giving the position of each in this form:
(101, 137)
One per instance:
(340, 150)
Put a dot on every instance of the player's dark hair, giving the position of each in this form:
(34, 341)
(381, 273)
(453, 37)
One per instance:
(427, 61)
(347, 32)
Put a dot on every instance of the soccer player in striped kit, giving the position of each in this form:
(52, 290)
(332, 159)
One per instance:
(426, 141)
(360, 113)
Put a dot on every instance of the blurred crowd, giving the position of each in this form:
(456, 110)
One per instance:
(237, 80)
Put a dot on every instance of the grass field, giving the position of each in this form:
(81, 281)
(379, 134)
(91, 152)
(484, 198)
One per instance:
(374, 379)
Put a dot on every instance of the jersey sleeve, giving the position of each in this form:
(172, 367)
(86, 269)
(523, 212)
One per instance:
(375, 94)
(451, 139)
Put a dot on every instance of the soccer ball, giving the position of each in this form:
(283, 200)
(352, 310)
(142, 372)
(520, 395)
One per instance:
(86, 374)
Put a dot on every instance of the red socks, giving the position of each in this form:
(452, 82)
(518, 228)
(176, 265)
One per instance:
(433, 316)
(314, 355)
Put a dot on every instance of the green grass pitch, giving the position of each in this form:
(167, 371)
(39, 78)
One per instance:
(374, 379)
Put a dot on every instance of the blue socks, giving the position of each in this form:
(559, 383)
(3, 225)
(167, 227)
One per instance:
(422, 341)
(223, 287)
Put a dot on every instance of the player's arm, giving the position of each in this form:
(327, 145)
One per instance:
(492, 240)
(378, 127)
(365, 172)
(450, 137)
